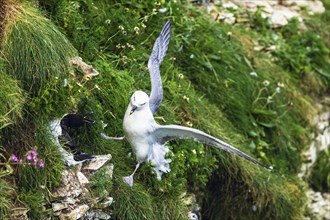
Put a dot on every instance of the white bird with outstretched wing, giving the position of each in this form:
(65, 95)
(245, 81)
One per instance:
(148, 138)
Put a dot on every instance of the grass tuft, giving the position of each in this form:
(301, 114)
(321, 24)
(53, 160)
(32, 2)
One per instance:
(12, 100)
(46, 52)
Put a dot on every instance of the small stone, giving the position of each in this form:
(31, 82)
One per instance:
(87, 69)
(258, 48)
(230, 5)
(76, 213)
(69, 200)
(281, 15)
(107, 202)
(312, 6)
(271, 48)
(59, 206)
(97, 214)
(20, 211)
(97, 162)
(82, 178)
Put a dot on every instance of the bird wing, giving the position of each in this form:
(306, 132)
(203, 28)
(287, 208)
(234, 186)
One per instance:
(156, 58)
(170, 132)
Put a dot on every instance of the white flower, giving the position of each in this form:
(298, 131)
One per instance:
(278, 90)
(192, 56)
(121, 27)
(189, 124)
(186, 98)
(181, 76)
(136, 30)
(280, 85)
(269, 99)
(266, 83)
(253, 74)
(108, 21)
(263, 15)
(65, 83)
(162, 10)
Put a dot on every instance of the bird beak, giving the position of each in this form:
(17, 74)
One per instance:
(134, 107)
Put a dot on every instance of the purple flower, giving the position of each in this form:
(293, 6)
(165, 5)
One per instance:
(35, 160)
(29, 157)
(41, 164)
(34, 153)
(15, 158)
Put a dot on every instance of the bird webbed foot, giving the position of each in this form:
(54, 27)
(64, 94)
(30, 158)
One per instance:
(128, 180)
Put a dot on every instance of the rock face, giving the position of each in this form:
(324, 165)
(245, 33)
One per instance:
(318, 203)
(278, 12)
(72, 199)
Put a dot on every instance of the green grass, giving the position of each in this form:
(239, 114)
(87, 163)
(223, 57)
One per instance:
(6, 199)
(319, 178)
(12, 99)
(46, 52)
(224, 100)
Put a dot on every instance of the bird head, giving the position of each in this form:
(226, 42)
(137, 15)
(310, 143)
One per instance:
(139, 101)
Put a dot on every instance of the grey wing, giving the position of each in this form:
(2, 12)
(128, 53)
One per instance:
(156, 58)
(170, 132)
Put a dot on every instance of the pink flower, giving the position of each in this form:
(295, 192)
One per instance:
(35, 160)
(15, 158)
(29, 157)
(41, 164)
(34, 153)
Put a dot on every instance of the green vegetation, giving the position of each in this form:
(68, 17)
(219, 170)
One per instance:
(319, 178)
(207, 84)
(6, 192)
(46, 52)
(12, 99)
(101, 184)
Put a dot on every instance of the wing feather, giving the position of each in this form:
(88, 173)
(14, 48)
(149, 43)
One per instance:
(170, 132)
(156, 58)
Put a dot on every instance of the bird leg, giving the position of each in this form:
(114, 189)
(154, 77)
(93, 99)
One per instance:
(129, 179)
(112, 138)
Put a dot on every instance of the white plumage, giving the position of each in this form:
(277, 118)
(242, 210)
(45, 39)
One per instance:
(148, 138)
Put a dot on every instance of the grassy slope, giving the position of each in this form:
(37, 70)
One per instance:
(216, 80)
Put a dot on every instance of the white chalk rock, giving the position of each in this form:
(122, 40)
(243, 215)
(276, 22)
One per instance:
(97, 162)
(82, 178)
(76, 213)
